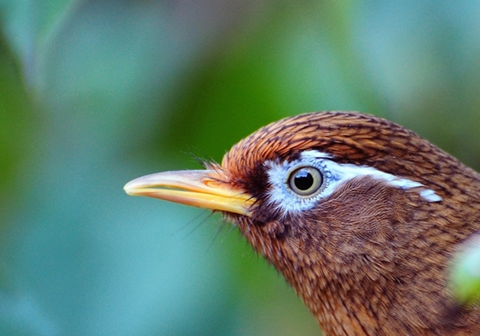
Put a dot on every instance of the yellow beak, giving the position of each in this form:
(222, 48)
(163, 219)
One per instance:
(197, 188)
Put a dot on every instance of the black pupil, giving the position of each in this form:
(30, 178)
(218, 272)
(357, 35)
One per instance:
(303, 180)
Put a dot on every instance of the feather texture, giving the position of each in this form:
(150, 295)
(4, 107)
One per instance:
(369, 259)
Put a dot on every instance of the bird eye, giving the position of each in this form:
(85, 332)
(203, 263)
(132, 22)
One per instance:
(305, 181)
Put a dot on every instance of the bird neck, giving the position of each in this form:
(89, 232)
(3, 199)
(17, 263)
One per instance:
(375, 267)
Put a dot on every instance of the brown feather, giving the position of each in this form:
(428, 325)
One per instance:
(371, 259)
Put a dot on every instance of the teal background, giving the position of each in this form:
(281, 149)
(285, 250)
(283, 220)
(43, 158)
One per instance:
(95, 93)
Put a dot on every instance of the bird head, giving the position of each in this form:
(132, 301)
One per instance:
(355, 211)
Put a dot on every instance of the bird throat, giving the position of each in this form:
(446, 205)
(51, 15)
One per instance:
(340, 255)
(357, 261)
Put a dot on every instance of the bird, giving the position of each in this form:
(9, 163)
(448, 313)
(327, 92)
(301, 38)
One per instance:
(361, 216)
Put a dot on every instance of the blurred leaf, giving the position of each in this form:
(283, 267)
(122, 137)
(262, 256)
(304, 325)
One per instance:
(31, 27)
(17, 129)
(465, 275)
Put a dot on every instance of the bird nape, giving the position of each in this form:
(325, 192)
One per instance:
(361, 216)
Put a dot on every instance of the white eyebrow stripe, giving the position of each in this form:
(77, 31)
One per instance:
(430, 195)
(281, 196)
(344, 172)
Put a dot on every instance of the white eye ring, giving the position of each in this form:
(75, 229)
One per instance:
(285, 195)
(305, 181)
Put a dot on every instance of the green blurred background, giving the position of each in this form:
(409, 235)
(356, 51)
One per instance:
(95, 93)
